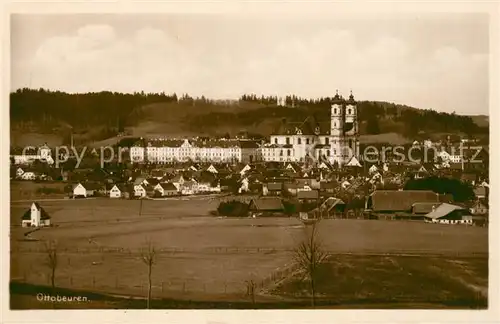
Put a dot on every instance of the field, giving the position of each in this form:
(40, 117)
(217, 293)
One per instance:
(28, 190)
(203, 257)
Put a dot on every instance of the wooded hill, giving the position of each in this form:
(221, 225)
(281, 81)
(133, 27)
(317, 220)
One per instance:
(105, 114)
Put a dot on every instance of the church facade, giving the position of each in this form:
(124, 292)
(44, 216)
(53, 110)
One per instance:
(335, 141)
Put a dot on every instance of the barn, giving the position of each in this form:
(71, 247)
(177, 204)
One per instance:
(390, 204)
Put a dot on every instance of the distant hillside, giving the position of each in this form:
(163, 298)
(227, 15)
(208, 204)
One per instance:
(481, 120)
(96, 117)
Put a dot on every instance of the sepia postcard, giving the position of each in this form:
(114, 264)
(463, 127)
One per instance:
(249, 157)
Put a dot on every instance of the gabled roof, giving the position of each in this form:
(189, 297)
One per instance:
(177, 178)
(157, 173)
(309, 126)
(290, 186)
(139, 180)
(153, 181)
(248, 144)
(309, 194)
(480, 191)
(188, 183)
(267, 204)
(424, 207)
(331, 202)
(273, 186)
(443, 210)
(168, 186)
(456, 166)
(353, 162)
(329, 185)
(43, 214)
(400, 200)
(293, 166)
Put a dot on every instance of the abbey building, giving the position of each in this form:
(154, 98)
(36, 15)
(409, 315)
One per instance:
(335, 141)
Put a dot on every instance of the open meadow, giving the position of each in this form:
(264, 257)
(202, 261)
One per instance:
(207, 257)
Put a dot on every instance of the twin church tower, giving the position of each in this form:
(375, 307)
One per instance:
(335, 141)
(344, 129)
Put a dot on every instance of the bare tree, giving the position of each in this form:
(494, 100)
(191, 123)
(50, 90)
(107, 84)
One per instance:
(148, 257)
(251, 285)
(51, 260)
(309, 255)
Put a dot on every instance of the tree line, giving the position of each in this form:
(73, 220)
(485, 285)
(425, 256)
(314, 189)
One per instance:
(115, 111)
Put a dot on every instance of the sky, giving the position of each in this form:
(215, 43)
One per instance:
(431, 61)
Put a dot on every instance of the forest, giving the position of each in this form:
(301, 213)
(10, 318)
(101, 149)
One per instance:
(46, 110)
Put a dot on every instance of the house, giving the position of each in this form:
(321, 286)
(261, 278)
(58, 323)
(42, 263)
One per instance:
(203, 187)
(354, 162)
(266, 206)
(140, 190)
(329, 186)
(150, 190)
(79, 191)
(480, 192)
(169, 189)
(178, 181)
(245, 169)
(152, 182)
(244, 186)
(309, 182)
(418, 211)
(91, 189)
(372, 169)
(29, 175)
(423, 208)
(189, 187)
(449, 214)
(332, 208)
(49, 160)
(212, 169)
(308, 196)
(469, 177)
(141, 181)
(35, 216)
(116, 192)
(157, 174)
(479, 208)
(272, 189)
(166, 189)
(345, 184)
(325, 166)
(293, 167)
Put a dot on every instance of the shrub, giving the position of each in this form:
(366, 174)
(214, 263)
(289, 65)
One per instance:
(233, 208)
(48, 191)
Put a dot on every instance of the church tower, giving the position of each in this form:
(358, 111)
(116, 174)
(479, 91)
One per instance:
(336, 129)
(351, 128)
(344, 130)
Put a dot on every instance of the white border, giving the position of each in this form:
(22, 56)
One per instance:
(279, 9)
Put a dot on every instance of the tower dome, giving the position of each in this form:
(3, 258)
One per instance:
(351, 98)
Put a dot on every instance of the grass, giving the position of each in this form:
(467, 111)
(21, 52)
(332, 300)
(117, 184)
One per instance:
(205, 257)
(395, 279)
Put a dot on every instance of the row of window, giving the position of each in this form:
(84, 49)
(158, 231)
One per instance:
(204, 159)
(187, 154)
(349, 111)
(299, 141)
(288, 152)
